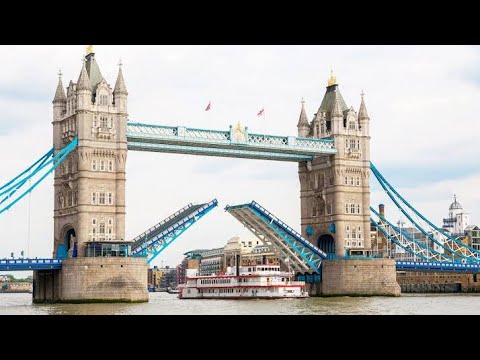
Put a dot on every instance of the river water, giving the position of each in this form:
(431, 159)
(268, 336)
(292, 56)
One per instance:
(168, 304)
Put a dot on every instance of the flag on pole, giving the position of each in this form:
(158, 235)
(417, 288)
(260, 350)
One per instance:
(261, 112)
(208, 106)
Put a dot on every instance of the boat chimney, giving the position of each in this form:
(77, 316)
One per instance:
(237, 265)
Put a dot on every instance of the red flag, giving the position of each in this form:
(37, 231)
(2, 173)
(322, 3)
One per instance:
(261, 112)
(208, 106)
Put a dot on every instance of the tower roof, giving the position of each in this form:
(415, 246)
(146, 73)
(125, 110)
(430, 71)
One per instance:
(303, 119)
(93, 70)
(83, 82)
(455, 205)
(120, 87)
(337, 106)
(362, 112)
(60, 92)
(328, 101)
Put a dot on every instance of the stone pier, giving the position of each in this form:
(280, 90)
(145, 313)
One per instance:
(85, 280)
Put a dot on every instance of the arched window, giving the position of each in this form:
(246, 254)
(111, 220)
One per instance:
(352, 208)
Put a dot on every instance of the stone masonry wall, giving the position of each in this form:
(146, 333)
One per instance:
(362, 277)
(104, 279)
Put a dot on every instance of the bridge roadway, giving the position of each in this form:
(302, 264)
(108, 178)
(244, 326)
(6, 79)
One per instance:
(56, 264)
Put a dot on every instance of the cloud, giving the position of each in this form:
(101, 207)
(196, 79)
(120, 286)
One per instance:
(421, 101)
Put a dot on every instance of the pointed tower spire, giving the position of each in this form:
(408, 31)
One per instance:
(303, 125)
(60, 93)
(83, 82)
(120, 87)
(362, 112)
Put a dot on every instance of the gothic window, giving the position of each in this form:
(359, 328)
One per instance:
(351, 125)
(351, 181)
(358, 144)
(95, 121)
(94, 165)
(346, 208)
(102, 228)
(94, 221)
(328, 209)
(111, 122)
(94, 198)
(110, 222)
(358, 181)
(358, 208)
(102, 199)
(110, 199)
(75, 197)
(110, 165)
(314, 208)
(352, 208)
(354, 233)
(103, 122)
(102, 165)
(110, 231)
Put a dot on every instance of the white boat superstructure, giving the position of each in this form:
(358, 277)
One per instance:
(253, 281)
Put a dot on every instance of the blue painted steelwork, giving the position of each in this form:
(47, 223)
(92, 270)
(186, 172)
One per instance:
(437, 266)
(56, 160)
(407, 242)
(28, 170)
(156, 239)
(304, 256)
(233, 143)
(30, 264)
(207, 151)
(436, 235)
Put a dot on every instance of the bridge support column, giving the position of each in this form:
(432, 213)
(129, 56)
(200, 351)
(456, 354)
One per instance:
(93, 280)
(359, 277)
(46, 286)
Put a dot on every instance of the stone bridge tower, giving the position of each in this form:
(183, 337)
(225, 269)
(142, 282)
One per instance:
(335, 190)
(90, 183)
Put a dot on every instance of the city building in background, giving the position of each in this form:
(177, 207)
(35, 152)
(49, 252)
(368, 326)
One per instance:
(458, 220)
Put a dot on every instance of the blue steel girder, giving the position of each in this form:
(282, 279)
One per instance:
(305, 256)
(406, 241)
(30, 264)
(437, 266)
(268, 236)
(236, 142)
(152, 247)
(436, 235)
(50, 165)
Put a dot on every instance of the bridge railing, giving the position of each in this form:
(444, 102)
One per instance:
(153, 228)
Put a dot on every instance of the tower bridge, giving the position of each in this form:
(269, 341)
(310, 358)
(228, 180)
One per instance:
(92, 259)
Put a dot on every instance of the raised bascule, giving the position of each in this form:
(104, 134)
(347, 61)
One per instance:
(94, 262)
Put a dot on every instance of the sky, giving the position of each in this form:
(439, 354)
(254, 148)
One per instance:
(423, 103)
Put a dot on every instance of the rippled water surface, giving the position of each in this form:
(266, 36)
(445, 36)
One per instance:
(168, 304)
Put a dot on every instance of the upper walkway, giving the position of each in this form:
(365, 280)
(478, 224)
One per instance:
(236, 142)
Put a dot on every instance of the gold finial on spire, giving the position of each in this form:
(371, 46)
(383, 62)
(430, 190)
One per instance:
(332, 80)
(60, 74)
(120, 63)
(89, 50)
(362, 94)
(303, 101)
